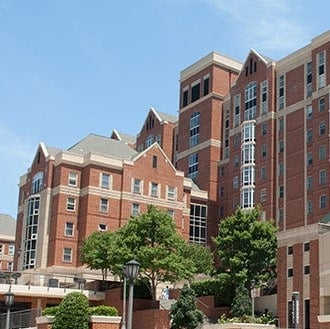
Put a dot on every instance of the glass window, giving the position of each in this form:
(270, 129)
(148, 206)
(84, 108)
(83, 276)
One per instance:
(281, 169)
(137, 183)
(135, 209)
(264, 97)
(185, 98)
(236, 161)
(290, 272)
(321, 104)
(71, 204)
(309, 76)
(322, 176)
(309, 159)
(250, 101)
(248, 175)
(11, 249)
(195, 91)
(281, 124)
(306, 246)
(194, 129)
(322, 152)
(309, 112)
(102, 227)
(280, 92)
(237, 106)
(105, 180)
(290, 250)
(263, 173)
(263, 150)
(170, 212)
(306, 269)
(171, 193)
(248, 154)
(264, 128)
(323, 201)
(281, 191)
(154, 189)
(193, 165)
(263, 195)
(247, 197)
(73, 178)
(322, 128)
(68, 229)
(149, 140)
(235, 182)
(104, 205)
(1, 249)
(197, 223)
(309, 182)
(321, 69)
(206, 85)
(309, 135)
(37, 182)
(67, 255)
(154, 161)
(309, 207)
(281, 145)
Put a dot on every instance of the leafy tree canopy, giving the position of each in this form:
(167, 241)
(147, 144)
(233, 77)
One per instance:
(247, 247)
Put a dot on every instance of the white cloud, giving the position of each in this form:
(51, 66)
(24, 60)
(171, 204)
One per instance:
(266, 25)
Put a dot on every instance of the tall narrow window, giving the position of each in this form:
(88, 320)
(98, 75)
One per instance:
(104, 205)
(309, 77)
(154, 189)
(71, 204)
(154, 161)
(67, 255)
(105, 180)
(281, 92)
(193, 165)
(68, 229)
(37, 182)
(264, 97)
(185, 98)
(321, 69)
(135, 209)
(206, 85)
(237, 106)
(194, 129)
(197, 225)
(250, 101)
(136, 188)
(195, 91)
(73, 178)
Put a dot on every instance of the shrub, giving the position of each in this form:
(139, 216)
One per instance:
(51, 311)
(72, 312)
(103, 310)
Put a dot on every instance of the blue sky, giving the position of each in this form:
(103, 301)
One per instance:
(73, 67)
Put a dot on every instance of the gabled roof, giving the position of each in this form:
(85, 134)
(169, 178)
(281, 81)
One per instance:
(7, 225)
(124, 137)
(103, 145)
(164, 116)
(265, 59)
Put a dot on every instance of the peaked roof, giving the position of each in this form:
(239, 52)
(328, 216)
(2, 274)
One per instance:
(124, 137)
(103, 145)
(265, 59)
(164, 116)
(7, 225)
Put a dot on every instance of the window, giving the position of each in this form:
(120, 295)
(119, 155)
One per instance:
(68, 231)
(321, 69)
(149, 140)
(263, 173)
(73, 178)
(322, 128)
(309, 76)
(248, 134)
(137, 183)
(197, 223)
(321, 104)
(135, 209)
(264, 128)
(281, 215)
(206, 85)
(37, 182)
(290, 272)
(221, 191)
(306, 269)
(281, 145)
(248, 154)
(322, 176)
(264, 96)
(10, 266)
(140, 148)
(306, 246)
(105, 181)
(237, 106)
(237, 141)
(222, 171)
(154, 189)
(281, 124)
(323, 201)
(154, 161)
(1, 249)
(193, 165)
(263, 150)
(104, 205)
(263, 195)
(102, 227)
(235, 182)
(309, 159)
(250, 101)
(170, 212)
(281, 169)
(309, 135)
(171, 193)
(290, 250)
(185, 98)
(67, 255)
(71, 204)
(280, 92)
(247, 197)
(248, 175)
(195, 91)
(194, 129)
(309, 112)
(322, 152)
(11, 249)
(281, 191)
(309, 207)
(309, 183)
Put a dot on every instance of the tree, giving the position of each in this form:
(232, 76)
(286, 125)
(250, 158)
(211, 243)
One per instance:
(184, 313)
(72, 312)
(242, 302)
(99, 252)
(151, 238)
(247, 247)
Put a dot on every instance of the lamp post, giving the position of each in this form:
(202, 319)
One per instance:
(123, 322)
(253, 283)
(131, 272)
(9, 302)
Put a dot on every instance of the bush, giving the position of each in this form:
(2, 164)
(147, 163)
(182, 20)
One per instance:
(263, 319)
(72, 312)
(103, 310)
(51, 311)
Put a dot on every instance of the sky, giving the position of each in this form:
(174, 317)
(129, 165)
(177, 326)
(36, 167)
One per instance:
(69, 68)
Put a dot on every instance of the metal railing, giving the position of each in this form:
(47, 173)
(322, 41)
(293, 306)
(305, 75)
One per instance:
(20, 319)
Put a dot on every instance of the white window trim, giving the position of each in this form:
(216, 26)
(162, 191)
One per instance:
(133, 185)
(150, 190)
(101, 181)
(103, 205)
(66, 228)
(174, 193)
(73, 176)
(64, 254)
(71, 203)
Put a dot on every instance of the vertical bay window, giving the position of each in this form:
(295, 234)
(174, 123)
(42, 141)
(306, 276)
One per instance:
(264, 97)
(280, 92)
(321, 69)
(250, 101)
(247, 197)
(248, 175)
(194, 129)
(193, 165)
(197, 224)
(248, 153)
(37, 182)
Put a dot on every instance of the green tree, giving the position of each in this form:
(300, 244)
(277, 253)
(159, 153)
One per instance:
(99, 252)
(184, 313)
(72, 312)
(247, 247)
(151, 238)
(242, 302)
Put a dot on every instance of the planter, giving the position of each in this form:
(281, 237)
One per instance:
(245, 326)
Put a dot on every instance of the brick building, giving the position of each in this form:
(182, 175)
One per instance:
(247, 133)
(7, 242)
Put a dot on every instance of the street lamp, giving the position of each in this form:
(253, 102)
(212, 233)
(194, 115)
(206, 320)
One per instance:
(253, 283)
(123, 322)
(9, 302)
(131, 271)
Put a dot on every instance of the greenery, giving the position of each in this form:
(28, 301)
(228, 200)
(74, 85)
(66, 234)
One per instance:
(184, 313)
(103, 310)
(263, 319)
(72, 312)
(246, 247)
(242, 302)
(151, 239)
(50, 311)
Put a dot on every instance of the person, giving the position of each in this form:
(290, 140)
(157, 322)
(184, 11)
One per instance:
(166, 293)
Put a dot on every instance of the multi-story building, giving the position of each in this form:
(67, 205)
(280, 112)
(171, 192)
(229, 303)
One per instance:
(247, 133)
(7, 242)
